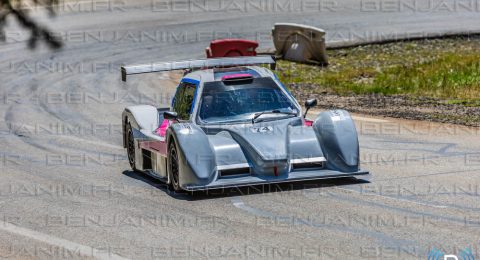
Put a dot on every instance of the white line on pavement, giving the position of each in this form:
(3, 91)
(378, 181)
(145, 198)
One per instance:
(74, 247)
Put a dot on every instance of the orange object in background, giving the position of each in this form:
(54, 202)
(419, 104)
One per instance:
(231, 48)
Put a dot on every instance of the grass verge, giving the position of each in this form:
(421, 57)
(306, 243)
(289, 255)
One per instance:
(447, 70)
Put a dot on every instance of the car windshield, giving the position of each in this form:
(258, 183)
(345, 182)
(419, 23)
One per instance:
(229, 101)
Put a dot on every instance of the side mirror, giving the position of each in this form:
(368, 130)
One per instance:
(170, 115)
(309, 104)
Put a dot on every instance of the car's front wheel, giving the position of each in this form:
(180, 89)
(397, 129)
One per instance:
(173, 167)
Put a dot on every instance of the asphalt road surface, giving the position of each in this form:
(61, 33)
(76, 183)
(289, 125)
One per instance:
(66, 190)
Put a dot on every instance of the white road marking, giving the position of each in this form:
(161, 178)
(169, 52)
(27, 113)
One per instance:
(368, 119)
(72, 246)
(77, 139)
(95, 143)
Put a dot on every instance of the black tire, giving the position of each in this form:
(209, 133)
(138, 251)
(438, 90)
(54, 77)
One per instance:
(131, 147)
(173, 167)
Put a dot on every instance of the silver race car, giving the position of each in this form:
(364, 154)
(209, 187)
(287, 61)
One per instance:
(232, 123)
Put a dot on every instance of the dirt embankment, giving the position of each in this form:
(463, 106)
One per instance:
(396, 106)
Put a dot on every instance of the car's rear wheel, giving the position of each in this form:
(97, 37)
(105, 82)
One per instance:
(174, 167)
(131, 147)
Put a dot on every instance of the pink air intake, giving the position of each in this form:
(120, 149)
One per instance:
(237, 76)
(162, 130)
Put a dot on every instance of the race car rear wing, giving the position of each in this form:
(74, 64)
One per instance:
(197, 64)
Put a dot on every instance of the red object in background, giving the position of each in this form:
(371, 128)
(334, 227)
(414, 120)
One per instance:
(231, 48)
(308, 122)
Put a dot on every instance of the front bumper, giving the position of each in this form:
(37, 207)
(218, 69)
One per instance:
(255, 180)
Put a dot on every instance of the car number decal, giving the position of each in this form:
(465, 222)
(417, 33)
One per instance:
(263, 129)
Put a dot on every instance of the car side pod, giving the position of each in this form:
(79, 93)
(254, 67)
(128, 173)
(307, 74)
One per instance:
(338, 139)
(196, 157)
